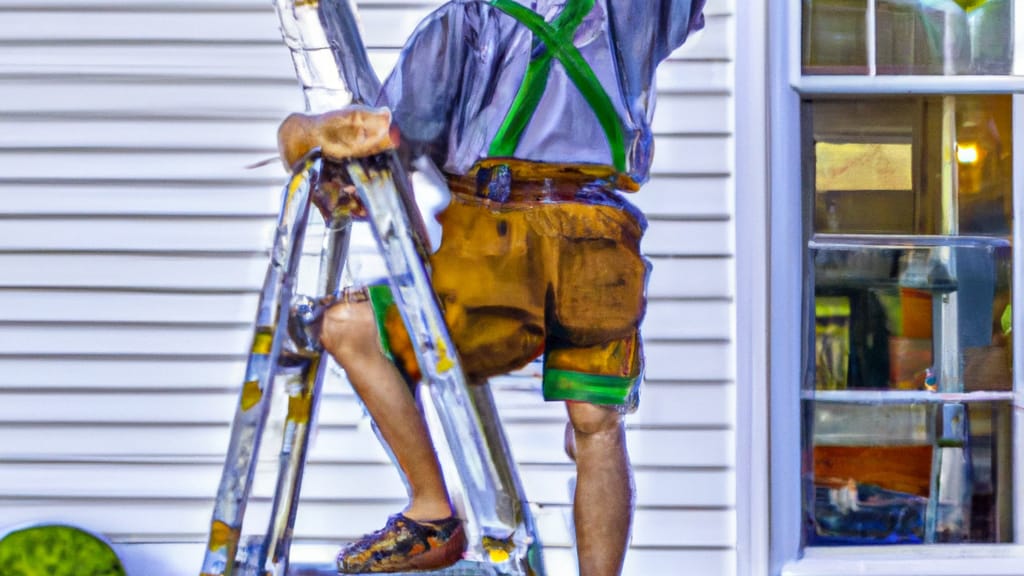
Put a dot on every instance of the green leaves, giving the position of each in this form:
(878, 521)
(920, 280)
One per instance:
(56, 550)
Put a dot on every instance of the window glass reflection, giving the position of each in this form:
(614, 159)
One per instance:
(879, 168)
(834, 37)
(911, 37)
(907, 395)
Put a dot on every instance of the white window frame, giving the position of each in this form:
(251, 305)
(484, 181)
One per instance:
(784, 333)
(751, 181)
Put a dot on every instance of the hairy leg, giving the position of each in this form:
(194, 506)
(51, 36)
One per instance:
(603, 508)
(349, 333)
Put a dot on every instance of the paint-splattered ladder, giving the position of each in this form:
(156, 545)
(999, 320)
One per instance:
(285, 348)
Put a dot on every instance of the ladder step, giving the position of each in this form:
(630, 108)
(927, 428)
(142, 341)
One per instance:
(461, 568)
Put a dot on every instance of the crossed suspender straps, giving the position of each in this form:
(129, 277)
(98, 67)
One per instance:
(557, 43)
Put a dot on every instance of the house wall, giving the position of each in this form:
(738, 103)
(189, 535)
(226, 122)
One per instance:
(134, 239)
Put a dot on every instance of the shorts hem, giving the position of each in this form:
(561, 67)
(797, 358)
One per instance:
(381, 298)
(591, 388)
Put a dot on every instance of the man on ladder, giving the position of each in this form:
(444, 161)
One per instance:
(539, 118)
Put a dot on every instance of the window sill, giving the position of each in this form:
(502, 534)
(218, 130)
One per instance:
(944, 560)
(827, 84)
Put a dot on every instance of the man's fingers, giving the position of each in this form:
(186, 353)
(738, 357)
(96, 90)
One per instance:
(295, 137)
(352, 132)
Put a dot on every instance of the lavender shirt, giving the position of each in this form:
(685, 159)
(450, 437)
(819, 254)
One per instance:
(460, 71)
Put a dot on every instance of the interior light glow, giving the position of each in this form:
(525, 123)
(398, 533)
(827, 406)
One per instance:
(967, 153)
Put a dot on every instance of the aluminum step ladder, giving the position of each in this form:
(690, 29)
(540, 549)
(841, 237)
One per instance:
(332, 66)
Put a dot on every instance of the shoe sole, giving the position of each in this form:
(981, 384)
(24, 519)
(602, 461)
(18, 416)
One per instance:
(433, 559)
(443, 556)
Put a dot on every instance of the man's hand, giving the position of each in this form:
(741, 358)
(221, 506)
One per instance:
(352, 132)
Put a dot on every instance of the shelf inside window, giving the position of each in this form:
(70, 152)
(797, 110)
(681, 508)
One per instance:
(902, 85)
(882, 397)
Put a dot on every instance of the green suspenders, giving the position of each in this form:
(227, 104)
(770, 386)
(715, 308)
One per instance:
(557, 38)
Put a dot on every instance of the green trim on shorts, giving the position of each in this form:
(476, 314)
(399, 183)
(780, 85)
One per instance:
(381, 299)
(592, 388)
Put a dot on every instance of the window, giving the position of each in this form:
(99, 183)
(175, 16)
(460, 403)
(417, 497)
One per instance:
(908, 400)
(903, 425)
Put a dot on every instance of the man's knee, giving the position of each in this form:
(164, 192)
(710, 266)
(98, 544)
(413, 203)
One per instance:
(349, 332)
(589, 419)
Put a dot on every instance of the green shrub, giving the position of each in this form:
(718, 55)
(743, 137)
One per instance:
(55, 550)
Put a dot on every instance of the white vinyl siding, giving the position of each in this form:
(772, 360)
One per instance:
(133, 243)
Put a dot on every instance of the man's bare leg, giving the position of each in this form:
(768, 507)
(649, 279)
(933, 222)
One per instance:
(603, 507)
(349, 333)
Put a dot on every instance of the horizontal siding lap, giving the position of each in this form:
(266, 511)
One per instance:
(140, 197)
(677, 76)
(686, 197)
(383, 28)
(121, 373)
(208, 61)
(105, 133)
(690, 404)
(535, 443)
(124, 340)
(270, 64)
(693, 113)
(181, 558)
(698, 361)
(145, 234)
(699, 155)
(708, 277)
(675, 115)
(151, 164)
(666, 359)
(704, 155)
(665, 405)
(195, 407)
(707, 238)
(679, 197)
(169, 339)
(665, 319)
(148, 272)
(332, 521)
(69, 306)
(713, 7)
(664, 197)
(683, 320)
(197, 62)
(246, 235)
(134, 237)
(63, 26)
(168, 97)
(349, 482)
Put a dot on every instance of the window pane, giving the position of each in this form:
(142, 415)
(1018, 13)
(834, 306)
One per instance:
(933, 37)
(908, 389)
(878, 164)
(835, 37)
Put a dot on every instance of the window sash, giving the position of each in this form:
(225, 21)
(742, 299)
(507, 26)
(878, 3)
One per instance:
(892, 84)
(788, 225)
